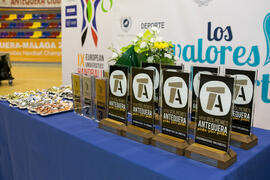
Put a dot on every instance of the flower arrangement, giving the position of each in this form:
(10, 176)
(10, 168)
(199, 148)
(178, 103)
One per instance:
(147, 47)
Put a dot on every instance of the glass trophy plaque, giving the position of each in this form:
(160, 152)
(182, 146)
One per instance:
(213, 122)
(172, 67)
(88, 84)
(101, 98)
(77, 92)
(174, 113)
(117, 102)
(142, 106)
(195, 74)
(156, 68)
(242, 119)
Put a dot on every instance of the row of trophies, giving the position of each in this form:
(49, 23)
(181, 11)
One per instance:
(161, 104)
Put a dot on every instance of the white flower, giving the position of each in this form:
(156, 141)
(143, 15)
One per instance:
(134, 40)
(152, 40)
(167, 55)
(175, 58)
(114, 55)
(140, 35)
(154, 29)
(150, 59)
(159, 39)
(143, 45)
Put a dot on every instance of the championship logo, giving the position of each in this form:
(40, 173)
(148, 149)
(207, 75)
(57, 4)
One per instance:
(215, 98)
(118, 83)
(89, 23)
(176, 92)
(143, 87)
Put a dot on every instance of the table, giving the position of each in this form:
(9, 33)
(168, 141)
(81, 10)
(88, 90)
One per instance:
(70, 147)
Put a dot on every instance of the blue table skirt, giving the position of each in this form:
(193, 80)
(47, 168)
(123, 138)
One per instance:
(69, 147)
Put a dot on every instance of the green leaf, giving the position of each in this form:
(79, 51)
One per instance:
(142, 57)
(125, 48)
(147, 35)
(129, 58)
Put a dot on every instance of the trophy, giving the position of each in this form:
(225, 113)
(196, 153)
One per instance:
(213, 122)
(77, 91)
(195, 74)
(101, 98)
(156, 68)
(142, 106)
(88, 86)
(117, 106)
(174, 113)
(172, 67)
(243, 115)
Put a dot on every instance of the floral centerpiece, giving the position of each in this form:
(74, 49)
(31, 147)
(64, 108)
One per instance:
(147, 47)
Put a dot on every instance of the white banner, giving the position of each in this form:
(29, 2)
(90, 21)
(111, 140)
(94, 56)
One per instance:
(30, 3)
(223, 33)
(86, 38)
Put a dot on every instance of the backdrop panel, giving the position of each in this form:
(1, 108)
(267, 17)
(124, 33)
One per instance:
(229, 33)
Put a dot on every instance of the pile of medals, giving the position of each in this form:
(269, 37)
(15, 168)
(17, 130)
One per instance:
(43, 102)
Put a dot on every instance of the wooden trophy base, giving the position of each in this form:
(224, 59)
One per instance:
(191, 127)
(138, 134)
(243, 141)
(112, 126)
(170, 143)
(211, 156)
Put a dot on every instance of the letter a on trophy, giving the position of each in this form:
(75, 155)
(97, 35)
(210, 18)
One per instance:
(195, 74)
(175, 113)
(117, 103)
(213, 122)
(243, 115)
(142, 106)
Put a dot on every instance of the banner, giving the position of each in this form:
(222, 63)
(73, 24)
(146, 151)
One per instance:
(87, 36)
(30, 3)
(32, 50)
(226, 33)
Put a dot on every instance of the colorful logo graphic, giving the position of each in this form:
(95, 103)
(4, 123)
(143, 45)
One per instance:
(89, 10)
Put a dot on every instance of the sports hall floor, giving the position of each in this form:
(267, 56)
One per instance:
(32, 76)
